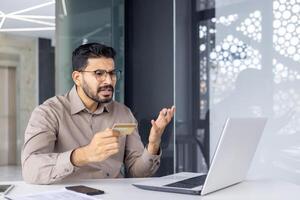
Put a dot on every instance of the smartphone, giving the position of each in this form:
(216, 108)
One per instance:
(4, 189)
(85, 190)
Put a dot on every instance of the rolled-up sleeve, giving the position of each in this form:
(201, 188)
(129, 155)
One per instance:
(39, 164)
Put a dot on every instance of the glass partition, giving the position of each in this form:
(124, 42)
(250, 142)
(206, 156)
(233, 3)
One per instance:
(238, 58)
(254, 72)
(81, 22)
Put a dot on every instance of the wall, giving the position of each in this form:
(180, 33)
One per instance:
(21, 53)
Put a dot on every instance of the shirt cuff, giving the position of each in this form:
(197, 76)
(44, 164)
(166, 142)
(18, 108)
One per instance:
(64, 165)
(152, 159)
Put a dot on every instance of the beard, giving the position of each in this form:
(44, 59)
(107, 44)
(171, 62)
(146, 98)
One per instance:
(94, 96)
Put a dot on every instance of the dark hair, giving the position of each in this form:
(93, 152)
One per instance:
(82, 53)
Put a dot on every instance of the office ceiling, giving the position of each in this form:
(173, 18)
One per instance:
(34, 18)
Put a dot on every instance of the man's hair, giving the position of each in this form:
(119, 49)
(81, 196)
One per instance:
(82, 53)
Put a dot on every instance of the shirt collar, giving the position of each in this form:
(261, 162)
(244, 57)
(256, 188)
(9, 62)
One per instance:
(106, 107)
(77, 105)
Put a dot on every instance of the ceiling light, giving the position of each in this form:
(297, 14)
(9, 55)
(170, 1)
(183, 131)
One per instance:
(31, 20)
(2, 20)
(36, 19)
(35, 16)
(32, 8)
(27, 29)
(64, 7)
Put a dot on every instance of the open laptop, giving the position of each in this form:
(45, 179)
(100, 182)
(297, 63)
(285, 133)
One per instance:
(230, 163)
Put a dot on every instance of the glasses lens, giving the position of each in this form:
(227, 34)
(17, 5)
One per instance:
(101, 74)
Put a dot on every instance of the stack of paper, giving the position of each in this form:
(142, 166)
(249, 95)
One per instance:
(61, 194)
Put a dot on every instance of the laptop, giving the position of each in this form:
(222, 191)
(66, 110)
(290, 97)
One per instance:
(229, 166)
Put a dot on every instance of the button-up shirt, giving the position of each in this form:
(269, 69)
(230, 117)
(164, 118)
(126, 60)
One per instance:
(62, 124)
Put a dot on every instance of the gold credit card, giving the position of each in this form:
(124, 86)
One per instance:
(124, 128)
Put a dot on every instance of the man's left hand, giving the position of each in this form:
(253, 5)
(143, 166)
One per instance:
(158, 127)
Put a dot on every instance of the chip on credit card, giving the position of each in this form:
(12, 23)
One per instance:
(124, 128)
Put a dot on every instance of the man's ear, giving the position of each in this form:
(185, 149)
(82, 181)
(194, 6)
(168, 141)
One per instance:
(76, 76)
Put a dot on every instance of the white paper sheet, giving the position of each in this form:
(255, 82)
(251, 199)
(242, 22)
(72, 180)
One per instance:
(61, 194)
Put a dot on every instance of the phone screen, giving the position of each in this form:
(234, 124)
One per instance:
(85, 190)
(5, 188)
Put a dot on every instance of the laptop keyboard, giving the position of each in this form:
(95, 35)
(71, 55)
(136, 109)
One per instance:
(189, 183)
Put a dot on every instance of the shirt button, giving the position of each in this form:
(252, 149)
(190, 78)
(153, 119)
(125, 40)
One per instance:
(67, 170)
(151, 160)
(107, 174)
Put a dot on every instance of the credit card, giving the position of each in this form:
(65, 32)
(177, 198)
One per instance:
(124, 128)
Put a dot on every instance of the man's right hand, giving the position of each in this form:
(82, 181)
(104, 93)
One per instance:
(103, 145)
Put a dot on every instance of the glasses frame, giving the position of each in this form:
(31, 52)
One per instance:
(114, 74)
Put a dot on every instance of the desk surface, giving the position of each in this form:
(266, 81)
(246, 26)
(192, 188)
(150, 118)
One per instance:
(122, 189)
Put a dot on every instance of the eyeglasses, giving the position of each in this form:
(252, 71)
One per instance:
(101, 74)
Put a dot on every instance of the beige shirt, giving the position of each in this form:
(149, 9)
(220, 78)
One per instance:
(62, 124)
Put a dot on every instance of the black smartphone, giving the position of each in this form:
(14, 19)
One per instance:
(4, 189)
(85, 190)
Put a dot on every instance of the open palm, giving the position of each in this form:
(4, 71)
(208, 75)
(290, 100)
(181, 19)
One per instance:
(159, 125)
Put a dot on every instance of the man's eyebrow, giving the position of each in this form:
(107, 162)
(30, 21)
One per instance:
(97, 68)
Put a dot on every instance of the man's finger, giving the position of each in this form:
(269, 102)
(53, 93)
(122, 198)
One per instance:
(112, 146)
(154, 125)
(163, 112)
(170, 114)
(111, 152)
(109, 140)
(173, 110)
(108, 133)
(116, 133)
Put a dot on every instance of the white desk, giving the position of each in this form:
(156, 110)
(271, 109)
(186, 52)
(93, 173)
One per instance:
(117, 189)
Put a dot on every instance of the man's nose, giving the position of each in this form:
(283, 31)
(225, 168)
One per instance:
(108, 79)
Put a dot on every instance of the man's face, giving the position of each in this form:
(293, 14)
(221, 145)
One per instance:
(98, 89)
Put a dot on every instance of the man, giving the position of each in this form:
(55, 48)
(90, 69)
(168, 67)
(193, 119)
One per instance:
(71, 136)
